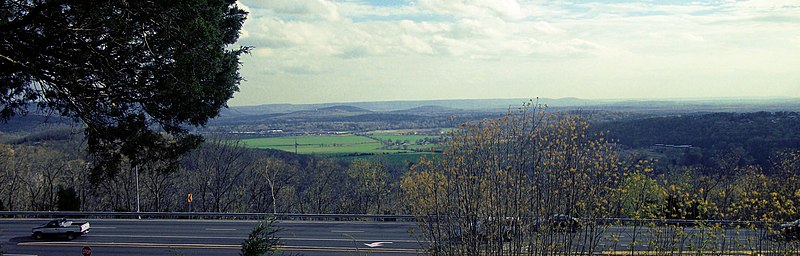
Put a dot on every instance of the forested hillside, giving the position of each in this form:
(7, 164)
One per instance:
(754, 136)
(49, 170)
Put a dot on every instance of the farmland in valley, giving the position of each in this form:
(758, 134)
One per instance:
(341, 145)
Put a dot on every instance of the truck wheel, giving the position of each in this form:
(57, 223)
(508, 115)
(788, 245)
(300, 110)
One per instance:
(37, 236)
(70, 236)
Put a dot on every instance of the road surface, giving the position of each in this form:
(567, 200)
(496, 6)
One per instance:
(211, 237)
(224, 237)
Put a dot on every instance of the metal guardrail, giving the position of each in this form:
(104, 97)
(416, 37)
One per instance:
(207, 215)
(679, 222)
(375, 217)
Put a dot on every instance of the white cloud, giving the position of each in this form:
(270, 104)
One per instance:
(610, 48)
(505, 9)
(314, 9)
(416, 44)
(546, 27)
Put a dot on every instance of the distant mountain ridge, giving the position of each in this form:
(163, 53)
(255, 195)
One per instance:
(427, 109)
(503, 105)
(344, 108)
(494, 105)
(400, 111)
(35, 122)
(332, 111)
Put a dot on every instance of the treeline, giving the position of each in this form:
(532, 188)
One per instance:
(48, 171)
(362, 122)
(756, 135)
(487, 193)
(495, 188)
(729, 192)
(222, 176)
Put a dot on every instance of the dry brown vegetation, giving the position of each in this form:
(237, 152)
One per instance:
(497, 184)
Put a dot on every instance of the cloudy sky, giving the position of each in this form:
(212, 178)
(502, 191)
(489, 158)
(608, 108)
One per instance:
(314, 51)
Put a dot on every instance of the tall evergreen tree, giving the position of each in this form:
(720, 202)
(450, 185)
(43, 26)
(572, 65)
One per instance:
(68, 199)
(136, 73)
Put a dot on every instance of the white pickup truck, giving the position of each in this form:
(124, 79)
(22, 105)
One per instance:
(60, 227)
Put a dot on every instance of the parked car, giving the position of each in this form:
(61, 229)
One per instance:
(60, 227)
(558, 223)
(790, 230)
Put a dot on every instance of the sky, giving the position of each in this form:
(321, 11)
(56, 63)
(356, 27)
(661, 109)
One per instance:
(318, 51)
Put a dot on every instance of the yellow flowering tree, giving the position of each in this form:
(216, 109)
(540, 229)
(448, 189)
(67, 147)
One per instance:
(498, 181)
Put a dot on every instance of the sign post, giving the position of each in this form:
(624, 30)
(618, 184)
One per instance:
(189, 200)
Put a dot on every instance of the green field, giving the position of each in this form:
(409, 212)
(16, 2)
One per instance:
(324, 144)
(335, 144)
(410, 138)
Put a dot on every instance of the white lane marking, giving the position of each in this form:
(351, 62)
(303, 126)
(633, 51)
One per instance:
(240, 238)
(187, 237)
(212, 246)
(347, 231)
(377, 244)
(142, 245)
(343, 240)
(221, 229)
(6, 254)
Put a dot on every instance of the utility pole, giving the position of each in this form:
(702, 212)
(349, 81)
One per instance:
(136, 168)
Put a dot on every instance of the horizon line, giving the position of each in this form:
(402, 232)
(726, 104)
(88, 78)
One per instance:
(600, 100)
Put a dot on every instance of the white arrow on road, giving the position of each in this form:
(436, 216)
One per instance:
(377, 244)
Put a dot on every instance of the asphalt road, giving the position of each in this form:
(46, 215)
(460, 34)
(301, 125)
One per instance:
(217, 237)
(211, 237)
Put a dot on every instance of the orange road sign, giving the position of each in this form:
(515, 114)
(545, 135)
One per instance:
(189, 198)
